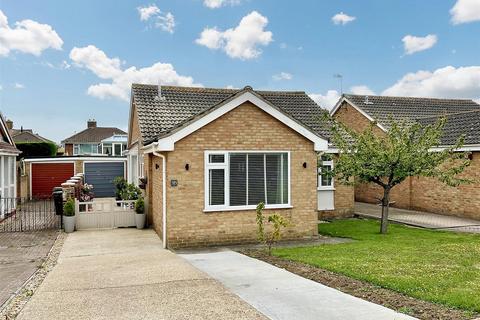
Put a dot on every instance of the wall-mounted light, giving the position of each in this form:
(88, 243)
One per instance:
(157, 166)
(304, 165)
(187, 166)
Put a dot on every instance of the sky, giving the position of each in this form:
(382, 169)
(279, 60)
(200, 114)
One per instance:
(64, 62)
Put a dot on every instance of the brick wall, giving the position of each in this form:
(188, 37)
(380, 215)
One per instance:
(343, 203)
(420, 193)
(244, 128)
(134, 130)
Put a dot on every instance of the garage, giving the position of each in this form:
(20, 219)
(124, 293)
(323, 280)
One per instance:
(46, 176)
(101, 176)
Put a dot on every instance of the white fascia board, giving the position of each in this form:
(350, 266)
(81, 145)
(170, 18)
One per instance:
(467, 148)
(168, 143)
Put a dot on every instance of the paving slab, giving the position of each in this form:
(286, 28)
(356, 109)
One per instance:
(282, 295)
(126, 274)
(21, 253)
(419, 218)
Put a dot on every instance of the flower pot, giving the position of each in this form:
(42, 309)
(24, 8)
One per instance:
(69, 223)
(140, 220)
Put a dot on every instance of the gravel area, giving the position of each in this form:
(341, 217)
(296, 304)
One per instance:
(14, 305)
(361, 289)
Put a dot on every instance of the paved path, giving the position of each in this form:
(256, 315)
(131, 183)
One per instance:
(280, 294)
(125, 274)
(21, 253)
(420, 218)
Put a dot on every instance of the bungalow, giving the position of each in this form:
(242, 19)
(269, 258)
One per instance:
(207, 157)
(420, 193)
(8, 153)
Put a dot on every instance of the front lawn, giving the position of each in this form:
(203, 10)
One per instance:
(436, 266)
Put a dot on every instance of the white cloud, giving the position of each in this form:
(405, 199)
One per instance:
(282, 76)
(342, 18)
(326, 101)
(1, 87)
(447, 82)
(465, 11)
(164, 21)
(242, 41)
(17, 85)
(102, 66)
(413, 44)
(148, 11)
(215, 4)
(27, 36)
(65, 65)
(362, 90)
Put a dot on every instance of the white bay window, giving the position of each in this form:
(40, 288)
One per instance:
(239, 180)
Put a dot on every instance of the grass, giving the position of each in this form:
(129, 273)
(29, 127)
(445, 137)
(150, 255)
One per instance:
(442, 267)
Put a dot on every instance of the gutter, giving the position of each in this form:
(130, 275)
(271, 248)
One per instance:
(164, 197)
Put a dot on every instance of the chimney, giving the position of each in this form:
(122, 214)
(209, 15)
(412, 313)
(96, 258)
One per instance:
(91, 123)
(9, 124)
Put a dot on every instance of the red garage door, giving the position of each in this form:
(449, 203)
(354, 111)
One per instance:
(46, 176)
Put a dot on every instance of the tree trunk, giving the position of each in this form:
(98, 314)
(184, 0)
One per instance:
(385, 205)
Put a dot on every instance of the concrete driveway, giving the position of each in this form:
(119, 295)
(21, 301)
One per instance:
(125, 274)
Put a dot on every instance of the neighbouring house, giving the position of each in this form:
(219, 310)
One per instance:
(95, 140)
(420, 193)
(24, 135)
(8, 154)
(30, 143)
(207, 157)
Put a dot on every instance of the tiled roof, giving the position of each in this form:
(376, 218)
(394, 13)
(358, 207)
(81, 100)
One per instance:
(180, 105)
(384, 108)
(27, 136)
(7, 147)
(93, 135)
(465, 123)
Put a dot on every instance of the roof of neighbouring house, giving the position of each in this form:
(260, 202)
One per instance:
(458, 124)
(27, 136)
(384, 108)
(93, 135)
(180, 105)
(7, 144)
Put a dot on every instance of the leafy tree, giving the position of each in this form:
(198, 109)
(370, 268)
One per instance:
(36, 149)
(406, 150)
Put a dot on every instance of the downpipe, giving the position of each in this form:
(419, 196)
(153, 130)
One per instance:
(164, 197)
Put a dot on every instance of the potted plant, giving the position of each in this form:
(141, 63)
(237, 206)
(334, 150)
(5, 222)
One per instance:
(140, 213)
(69, 215)
(120, 186)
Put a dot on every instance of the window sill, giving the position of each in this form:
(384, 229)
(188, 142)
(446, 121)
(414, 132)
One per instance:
(326, 188)
(246, 208)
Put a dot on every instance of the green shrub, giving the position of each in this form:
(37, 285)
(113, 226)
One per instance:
(37, 149)
(278, 222)
(140, 205)
(69, 208)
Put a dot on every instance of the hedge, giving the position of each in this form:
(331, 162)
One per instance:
(36, 149)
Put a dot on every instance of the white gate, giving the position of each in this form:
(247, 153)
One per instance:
(104, 213)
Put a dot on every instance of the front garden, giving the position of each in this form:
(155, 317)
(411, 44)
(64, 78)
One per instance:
(435, 266)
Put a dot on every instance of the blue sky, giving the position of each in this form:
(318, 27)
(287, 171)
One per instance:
(54, 54)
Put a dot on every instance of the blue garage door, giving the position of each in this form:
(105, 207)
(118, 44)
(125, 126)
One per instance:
(101, 175)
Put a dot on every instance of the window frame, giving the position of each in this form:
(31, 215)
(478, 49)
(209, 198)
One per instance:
(226, 166)
(319, 176)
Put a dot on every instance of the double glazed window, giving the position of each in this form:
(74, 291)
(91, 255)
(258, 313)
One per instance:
(241, 180)
(325, 178)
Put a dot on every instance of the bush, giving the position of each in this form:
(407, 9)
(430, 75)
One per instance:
(278, 222)
(36, 149)
(140, 206)
(69, 208)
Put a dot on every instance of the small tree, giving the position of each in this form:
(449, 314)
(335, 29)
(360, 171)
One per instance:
(388, 159)
(278, 222)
